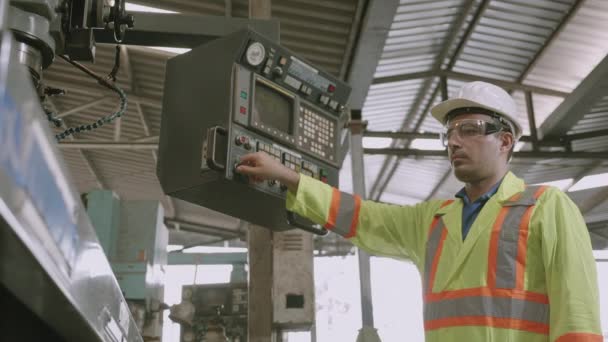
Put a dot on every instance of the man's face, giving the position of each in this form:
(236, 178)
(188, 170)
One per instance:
(474, 157)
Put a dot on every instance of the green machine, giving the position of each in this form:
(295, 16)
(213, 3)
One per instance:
(134, 238)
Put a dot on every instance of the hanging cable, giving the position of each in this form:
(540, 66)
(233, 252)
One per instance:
(106, 83)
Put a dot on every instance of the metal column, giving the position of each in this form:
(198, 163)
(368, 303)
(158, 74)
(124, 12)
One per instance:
(260, 249)
(367, 333)
(3, 14)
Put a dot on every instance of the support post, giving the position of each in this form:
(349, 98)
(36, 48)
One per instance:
(260, 249)
(367, 333)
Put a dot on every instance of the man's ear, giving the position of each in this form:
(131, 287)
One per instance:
(506, 141)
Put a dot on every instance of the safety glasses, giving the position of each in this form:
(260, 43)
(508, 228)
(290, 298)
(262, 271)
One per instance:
(469, 128)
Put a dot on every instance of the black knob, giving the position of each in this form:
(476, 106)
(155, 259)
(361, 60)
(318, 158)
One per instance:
(277, 71)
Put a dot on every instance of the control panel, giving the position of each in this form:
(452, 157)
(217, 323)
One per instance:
(239, 94)
(244, 142)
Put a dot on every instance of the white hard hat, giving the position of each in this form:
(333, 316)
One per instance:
(476, 95)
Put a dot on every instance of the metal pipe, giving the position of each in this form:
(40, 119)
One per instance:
(356, 137)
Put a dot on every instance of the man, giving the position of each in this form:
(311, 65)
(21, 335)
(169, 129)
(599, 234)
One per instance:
(501, 262)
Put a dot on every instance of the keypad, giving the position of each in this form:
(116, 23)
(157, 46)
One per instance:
(272, 151)
(316, 133)
(292, 162)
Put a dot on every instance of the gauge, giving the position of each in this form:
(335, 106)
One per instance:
(256, 54)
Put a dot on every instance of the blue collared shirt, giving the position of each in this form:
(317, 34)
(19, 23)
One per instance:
(471, 210)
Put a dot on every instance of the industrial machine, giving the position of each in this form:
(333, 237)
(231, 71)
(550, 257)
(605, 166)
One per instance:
(240, 94)
(56, 282)
(133, 236)
(215, 312)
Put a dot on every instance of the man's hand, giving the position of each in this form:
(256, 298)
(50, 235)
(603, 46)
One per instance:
(261, 167)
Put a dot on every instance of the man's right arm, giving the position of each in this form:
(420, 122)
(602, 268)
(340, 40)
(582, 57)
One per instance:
(381, 229)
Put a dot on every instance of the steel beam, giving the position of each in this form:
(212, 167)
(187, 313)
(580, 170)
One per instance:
(87, 91)
(356, 129)
(438, 186)
(82, 107)
(175, 258)
(355, 32)
(203, 228)
(565, 20)
(554, 142)
(185, 31)
(382, 182)
(579, 103)
(469, 78)
(377, 22)
(591, 203)
(517, 155)
(104, 145)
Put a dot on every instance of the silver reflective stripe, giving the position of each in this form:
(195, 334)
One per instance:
(344, 218)
(508, 242)
(499, 307)
(526, 198)
(431, 250)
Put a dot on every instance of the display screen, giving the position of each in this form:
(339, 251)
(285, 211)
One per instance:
(274, 108)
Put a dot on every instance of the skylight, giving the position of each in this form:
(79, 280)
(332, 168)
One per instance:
(589, 182)
(130, 7)
(427, 144)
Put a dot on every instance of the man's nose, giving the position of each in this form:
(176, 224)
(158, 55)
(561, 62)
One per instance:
(454, 141)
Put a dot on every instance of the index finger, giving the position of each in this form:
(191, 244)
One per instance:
(249, 157)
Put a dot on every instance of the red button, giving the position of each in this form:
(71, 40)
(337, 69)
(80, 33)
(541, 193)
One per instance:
(243, 110)
(331, 88)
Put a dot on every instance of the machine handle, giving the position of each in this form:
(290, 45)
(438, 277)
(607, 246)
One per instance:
(212, 150)
(315, 229)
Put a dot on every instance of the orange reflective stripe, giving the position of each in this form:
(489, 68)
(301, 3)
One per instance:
(489, 292)
(507, 323)
(493, 252)
(580, 337)
(355, 220)
(333, 209)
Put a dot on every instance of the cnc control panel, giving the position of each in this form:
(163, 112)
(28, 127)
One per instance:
(240, 94)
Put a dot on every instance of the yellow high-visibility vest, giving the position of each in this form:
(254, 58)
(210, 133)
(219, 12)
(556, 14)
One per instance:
(525, 272)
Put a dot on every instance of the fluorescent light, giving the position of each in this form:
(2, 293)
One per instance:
(141, 8)
(560, 184)
(171, 248)
(369, 142)
(427, 144)
(600, 254)
(589, 182)
(209, 249)
(177, 51)
(518, 146)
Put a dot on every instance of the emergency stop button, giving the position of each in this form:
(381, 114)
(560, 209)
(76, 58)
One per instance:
(243, 140)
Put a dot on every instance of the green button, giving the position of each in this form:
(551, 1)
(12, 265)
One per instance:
(244, 95)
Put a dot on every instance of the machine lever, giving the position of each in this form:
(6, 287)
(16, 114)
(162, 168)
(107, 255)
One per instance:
(315, 229)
